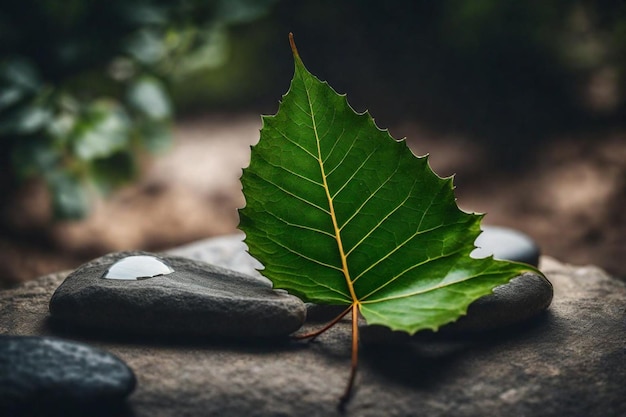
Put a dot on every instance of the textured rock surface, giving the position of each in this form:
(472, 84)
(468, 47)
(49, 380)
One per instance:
(197, 299)
(40, 374)
(568, 362)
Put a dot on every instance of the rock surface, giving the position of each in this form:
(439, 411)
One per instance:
(196, 299)
(42, 374)
(570, 361)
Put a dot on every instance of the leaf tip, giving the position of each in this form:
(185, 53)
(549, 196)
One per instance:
(294, 49)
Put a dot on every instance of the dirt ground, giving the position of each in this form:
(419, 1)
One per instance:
(570, 197)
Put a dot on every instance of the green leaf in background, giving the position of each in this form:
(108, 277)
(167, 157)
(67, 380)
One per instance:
(26, 120)
(20, 73)
(156, 136)
(33, 156)
(109, 173)
(339, 212)
(148, 96)
(69, 197)
(103, 132)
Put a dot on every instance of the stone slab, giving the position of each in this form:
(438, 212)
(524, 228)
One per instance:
(571, 361)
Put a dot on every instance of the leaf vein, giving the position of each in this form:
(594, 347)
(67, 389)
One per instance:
(300, 226)
(345, 155)
(293, 173)
(383, 219)
(295, 252)
(412, 267)
(437, 287)
(296, 144)
(356, 171)
(293, 194)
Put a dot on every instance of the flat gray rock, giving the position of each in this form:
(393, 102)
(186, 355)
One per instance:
(567, 362)
(173, 296)
(42, 374)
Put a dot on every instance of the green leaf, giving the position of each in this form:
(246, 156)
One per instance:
(155, 136)
(146, 46)
(339, 212)
(20, 73)
(34, 156)
(113, 171)
(102, 132)
(69, 197)
(26, 120)
(10, 96)
(148, 96)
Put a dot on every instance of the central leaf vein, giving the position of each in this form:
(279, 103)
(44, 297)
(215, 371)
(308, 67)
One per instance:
(331, 207)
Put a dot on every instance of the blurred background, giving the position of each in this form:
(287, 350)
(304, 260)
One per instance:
(125, 123)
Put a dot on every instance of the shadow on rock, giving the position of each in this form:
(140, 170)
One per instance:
(57, 409)
(242, 344)
(428, 359)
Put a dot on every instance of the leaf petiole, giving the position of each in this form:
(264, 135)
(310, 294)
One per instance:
(347, 394)
(343, 401)
(312, 335)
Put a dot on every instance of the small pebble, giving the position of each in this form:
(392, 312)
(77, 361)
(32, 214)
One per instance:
(39, 375)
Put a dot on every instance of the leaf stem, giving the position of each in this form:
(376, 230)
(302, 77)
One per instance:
(312, 335)
(292, 43)
(347, 394)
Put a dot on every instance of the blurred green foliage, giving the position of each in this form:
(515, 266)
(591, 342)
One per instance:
(84, 85)
(87, 86)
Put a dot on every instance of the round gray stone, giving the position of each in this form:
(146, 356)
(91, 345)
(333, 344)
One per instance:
(506, 244)
(43, 374)
(195, 299)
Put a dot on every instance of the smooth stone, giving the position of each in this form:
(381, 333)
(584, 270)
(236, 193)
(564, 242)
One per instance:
(506, 244)
(568, 362)
(523, 298)
(43, 374)
(226, 251)
(195, 299)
